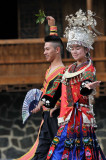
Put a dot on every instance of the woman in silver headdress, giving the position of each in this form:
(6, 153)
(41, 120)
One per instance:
(76, 139)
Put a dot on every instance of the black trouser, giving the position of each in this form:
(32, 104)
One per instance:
(47, 133)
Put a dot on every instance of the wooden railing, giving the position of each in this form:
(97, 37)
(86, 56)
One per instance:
(22, 61)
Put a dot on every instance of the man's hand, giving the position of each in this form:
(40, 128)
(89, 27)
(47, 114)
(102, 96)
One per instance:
(52, 110)
(51, 20)
(92, 85)
(38, 107)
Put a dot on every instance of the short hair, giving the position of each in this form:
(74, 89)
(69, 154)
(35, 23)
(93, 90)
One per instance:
(57, 42)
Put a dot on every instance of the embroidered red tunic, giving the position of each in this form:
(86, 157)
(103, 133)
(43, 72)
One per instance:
(71, 93)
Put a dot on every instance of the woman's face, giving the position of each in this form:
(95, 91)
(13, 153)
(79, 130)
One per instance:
(78, 52)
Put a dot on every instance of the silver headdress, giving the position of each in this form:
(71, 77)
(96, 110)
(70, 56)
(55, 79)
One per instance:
(78, 31)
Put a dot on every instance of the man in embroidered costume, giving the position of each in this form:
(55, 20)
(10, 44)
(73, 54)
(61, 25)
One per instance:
(76, 139)
(53, 48)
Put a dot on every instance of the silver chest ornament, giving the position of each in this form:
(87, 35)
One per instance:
(74, 77)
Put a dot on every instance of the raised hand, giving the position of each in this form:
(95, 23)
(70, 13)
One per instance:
(51, 20)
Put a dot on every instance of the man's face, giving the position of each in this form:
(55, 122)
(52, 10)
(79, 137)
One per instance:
(49, 51)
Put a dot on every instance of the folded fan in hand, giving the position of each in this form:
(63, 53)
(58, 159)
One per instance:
(31, 100)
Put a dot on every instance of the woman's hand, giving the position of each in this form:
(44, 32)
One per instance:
(92, 85)
(51, 20)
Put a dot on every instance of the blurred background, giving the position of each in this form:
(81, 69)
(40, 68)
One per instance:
(23, 66)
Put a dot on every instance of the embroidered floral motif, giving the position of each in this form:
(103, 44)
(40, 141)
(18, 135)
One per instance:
(69, 95)
(77, 130)
(88, 154)
(67, 143)
(88, 75)
(55, 85)
(50, 153)
(71, 143)
(77, 142)
(65, 156)
(87, 141)
(55, 140)
(60, 130)
(84, 130)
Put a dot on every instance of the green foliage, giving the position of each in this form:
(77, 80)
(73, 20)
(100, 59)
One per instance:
(40, 17)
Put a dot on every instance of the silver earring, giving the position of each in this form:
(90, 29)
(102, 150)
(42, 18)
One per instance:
(87, 55)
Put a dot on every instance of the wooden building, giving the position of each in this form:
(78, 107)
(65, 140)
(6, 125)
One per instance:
(22, 63)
